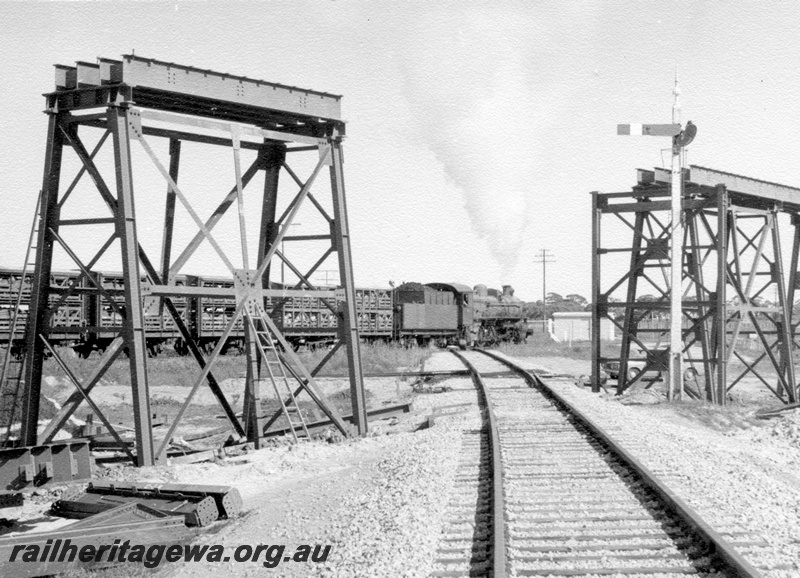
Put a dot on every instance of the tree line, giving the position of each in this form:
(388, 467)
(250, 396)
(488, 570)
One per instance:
(556, 303)
(575, 302)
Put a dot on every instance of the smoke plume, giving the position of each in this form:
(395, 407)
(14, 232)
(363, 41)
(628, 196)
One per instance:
(472, 91)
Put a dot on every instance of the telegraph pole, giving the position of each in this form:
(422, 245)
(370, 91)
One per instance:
(680, 138)
(544, 257)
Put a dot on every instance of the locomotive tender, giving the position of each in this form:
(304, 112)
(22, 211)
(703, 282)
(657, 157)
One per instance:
(412, 313)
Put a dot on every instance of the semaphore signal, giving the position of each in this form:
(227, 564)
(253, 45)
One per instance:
(680, 138)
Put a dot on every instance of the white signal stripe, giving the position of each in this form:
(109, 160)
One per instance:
(632, 129)
(638, 129)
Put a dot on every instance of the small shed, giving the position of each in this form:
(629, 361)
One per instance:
(577, 326)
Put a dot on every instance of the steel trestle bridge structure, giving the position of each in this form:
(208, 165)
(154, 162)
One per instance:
(130, 103)
(741, 245)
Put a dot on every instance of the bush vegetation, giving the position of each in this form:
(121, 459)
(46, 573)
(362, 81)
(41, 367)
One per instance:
(171, 369)
(375, 358)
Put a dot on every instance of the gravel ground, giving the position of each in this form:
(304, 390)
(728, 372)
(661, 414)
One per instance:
(379, 502)
(736, 479)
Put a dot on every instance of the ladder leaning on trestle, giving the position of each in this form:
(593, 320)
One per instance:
(272, 367)
(13, 367)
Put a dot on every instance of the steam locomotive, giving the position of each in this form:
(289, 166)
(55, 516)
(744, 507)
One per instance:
(412, 313)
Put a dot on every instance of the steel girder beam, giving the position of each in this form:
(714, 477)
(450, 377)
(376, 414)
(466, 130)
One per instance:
(167, 86)
(716, 220)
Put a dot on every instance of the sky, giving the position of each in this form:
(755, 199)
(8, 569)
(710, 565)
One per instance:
(475, 130)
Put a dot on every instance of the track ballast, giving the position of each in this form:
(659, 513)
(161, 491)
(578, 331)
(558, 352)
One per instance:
(564, 500)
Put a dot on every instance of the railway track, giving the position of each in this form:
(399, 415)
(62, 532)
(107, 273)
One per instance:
(543, 491)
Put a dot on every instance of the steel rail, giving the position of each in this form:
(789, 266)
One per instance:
(716, 544)
(498, 543)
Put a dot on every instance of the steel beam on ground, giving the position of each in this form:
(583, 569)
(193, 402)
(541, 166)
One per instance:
(67, 542)
(59, 462)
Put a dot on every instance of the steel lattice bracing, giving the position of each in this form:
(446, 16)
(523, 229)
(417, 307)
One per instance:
(739, 281)
(137, 106)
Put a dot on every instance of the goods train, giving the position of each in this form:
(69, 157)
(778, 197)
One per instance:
(441, 313)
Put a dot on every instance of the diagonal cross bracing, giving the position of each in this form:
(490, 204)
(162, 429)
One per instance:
(741, 257)
(109, 105)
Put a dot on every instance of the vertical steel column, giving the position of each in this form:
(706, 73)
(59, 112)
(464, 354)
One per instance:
(133, 324)
(273, 156)
(629, 323)
(721, 312)
(348, 328)
(251, 388)
(169, 211)
(784, 326)
(696, 267)
(595, 371)
(793, 277)
(38, 322)
(793, 280)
